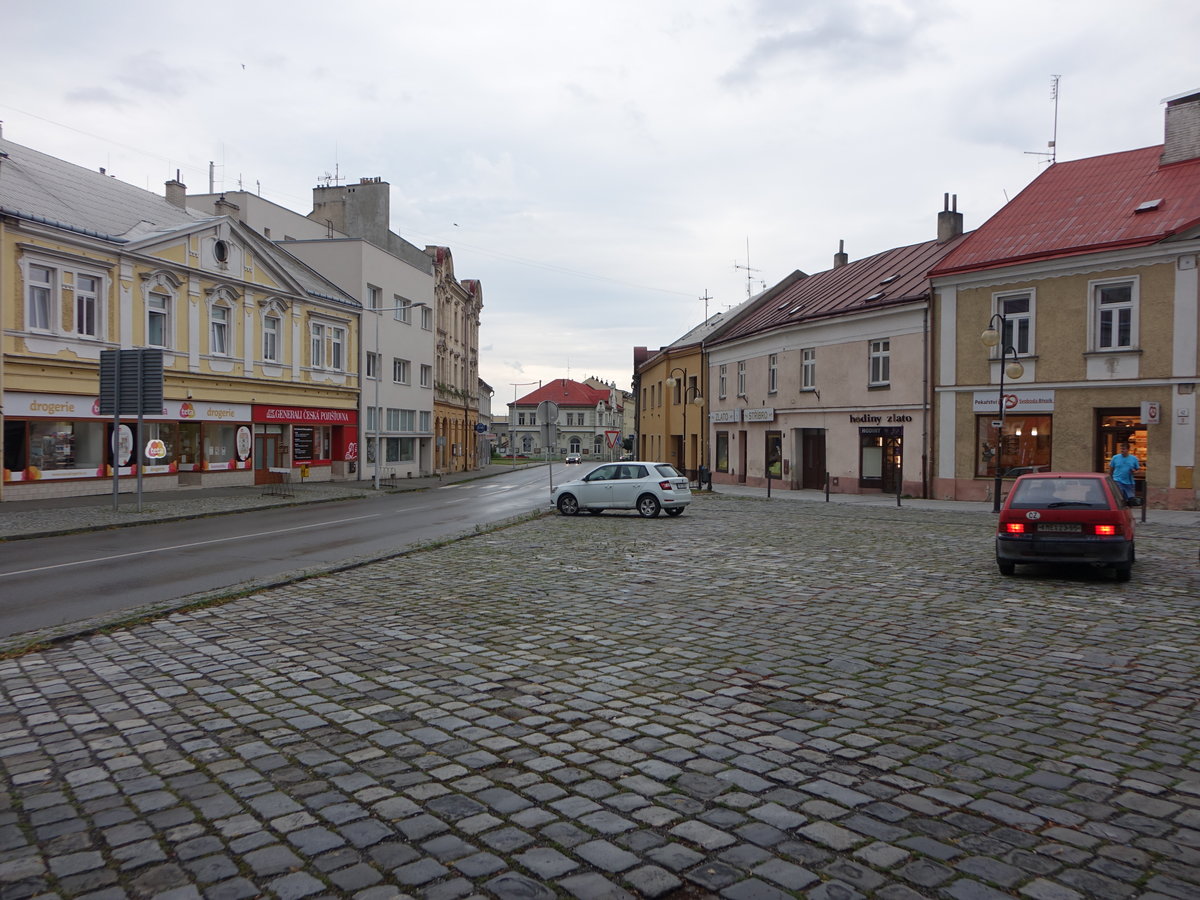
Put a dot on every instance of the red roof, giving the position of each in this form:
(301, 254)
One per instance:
(565, 392)
(1086, 206)
(899, 275)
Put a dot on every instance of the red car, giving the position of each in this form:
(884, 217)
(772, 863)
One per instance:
(1065, 517)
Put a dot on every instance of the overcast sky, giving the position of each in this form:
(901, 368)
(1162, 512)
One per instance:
(600, 167)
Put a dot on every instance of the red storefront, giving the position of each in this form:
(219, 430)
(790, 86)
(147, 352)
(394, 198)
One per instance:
(324, 442)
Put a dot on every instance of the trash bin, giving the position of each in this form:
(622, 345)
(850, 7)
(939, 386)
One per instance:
(704, 477)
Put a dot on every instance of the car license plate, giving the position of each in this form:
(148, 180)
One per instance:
(1059, 528)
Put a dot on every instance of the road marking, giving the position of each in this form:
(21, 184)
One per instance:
(81, 562)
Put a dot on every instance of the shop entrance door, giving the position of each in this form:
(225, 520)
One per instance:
(812, 458)
(1115, 427)
(266, 455)
(881, 456)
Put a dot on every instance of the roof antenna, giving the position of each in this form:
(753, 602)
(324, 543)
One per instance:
(749, 270)
(1053, 145)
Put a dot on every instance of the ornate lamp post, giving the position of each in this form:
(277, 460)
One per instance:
(998, 337)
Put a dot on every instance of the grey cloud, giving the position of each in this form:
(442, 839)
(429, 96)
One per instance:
(154, 75)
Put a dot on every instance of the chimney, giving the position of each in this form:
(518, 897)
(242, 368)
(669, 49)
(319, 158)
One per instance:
(177, 192)
(950, 220)
(225, 207)
(841, 257)
(1182, 128)
(360, 210)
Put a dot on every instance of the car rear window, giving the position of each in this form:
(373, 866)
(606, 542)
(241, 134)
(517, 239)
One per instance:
(1056, 493)
(666, 470)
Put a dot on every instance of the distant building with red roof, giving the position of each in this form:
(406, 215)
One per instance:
(1090, 277)
(583, 416)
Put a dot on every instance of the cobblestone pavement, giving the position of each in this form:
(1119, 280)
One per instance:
(755, 700)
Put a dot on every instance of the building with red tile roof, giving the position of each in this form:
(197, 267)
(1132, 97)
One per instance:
(1089, 278)
(583, 419)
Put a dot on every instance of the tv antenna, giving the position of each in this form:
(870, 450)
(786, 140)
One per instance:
(332, 179)
(706, 298)
(749, 271)
(1050, 154)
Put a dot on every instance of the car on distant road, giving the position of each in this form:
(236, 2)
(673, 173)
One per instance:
(1066, 517)
(648, 487)
(573, 459)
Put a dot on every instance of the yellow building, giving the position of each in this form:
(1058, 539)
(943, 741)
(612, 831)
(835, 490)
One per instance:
(258, 351)
(672, 412)
(456, 387)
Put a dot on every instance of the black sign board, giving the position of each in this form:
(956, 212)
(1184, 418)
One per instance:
(131, 382)
(302, 443)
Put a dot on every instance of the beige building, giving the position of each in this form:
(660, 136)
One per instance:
(456, 387)
(257, 349)
(1088, 278)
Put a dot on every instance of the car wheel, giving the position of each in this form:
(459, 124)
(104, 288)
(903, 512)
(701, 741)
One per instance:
(677, 511)
(568, 505)
(648, 506)
(595, 512)
(1006, 567)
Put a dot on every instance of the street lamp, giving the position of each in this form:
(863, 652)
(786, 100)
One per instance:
(993, 337)
(379, 377)
(672, 381)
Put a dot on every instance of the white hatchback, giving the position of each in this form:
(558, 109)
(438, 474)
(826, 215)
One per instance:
(647, 487)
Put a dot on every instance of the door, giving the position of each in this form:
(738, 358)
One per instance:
(628, 485)
(597, 487)
(893, 461)
(812, 459)
(266, 455)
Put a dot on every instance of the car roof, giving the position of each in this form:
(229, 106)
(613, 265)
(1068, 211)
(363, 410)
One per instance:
(1029, 476)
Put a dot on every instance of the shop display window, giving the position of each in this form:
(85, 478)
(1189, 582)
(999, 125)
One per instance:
(1024, 446)
(163, 431)
(189, 446)
(722, 454)
(220, 443)
(66, 445)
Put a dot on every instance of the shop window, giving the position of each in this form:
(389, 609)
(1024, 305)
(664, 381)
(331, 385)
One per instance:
(162, 431)
(220, 444)
(1121, 426)
(189, 446)
(58, 446)
(722, 451)
(1024, 446)
(773, 453)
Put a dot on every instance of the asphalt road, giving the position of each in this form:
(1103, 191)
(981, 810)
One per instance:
(50, 581)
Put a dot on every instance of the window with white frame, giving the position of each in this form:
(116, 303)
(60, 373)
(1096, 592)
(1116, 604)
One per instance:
(401, 371)
(426, 420)
(741, 379)
(881, 362)
(426, 318)
(270, 348)
(337, 345)
(1114, 314)
(87, 299)
(218, 340)
(426, 376)
(317, 356)
(393, 419)
(403, 309)
(808, 368)
(520, 418)
(408, 420)
(772, 373)
(40, 294)
(1017, 310)
(158, 320)
(372, 364)
(374, 297)
(372, 418)
(722, 382)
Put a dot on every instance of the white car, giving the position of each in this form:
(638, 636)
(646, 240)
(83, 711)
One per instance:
(647, 487)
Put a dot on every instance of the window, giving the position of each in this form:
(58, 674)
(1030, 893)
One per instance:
(408, 420)
(271, 338)
(808, 369)
(1023, 447)
(773, 373)
(881, 363)
(372, 364)
(318, 346)
(158, 320)
(393, 419)
(400, 371)
(1114, 324)
(426, 318)
(373, 417)
(219, 338)
(722, 455)
(1017, 310)
(426, 376)
(520, 418)
(403, 309)
(40, 293)
(337, 338)
(374, 297)
(87, 291)
(741, 378)
(426, 420)
(721, 382)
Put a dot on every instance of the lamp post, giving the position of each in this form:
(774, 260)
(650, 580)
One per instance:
(379, 377)
(698, 399)
(671, 382)
(992, 337)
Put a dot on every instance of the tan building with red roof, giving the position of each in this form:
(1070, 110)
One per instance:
(1089, 276)
(585, 421)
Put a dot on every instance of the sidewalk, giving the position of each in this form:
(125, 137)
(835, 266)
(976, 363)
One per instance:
(63, 515)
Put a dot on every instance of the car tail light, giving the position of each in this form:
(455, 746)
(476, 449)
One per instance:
(1106, 529)
(1014, 527)
(666, 486)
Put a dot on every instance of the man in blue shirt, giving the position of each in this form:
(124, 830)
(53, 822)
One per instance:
(1122, 467)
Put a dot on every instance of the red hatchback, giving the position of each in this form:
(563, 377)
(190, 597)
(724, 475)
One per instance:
(1065, 517)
